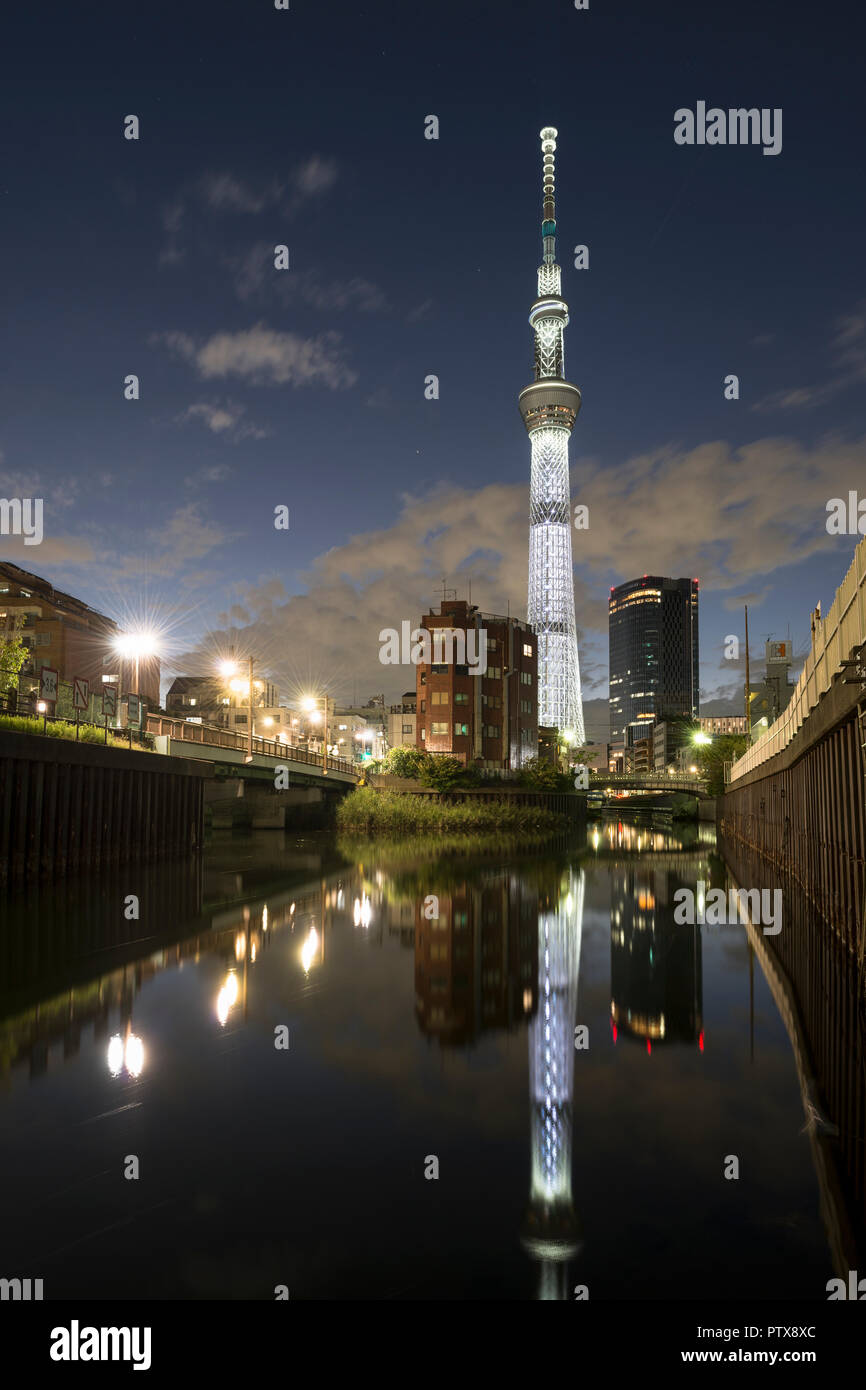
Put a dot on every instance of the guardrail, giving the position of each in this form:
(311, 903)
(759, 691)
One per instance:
(214, 737)
(833, 639)
(659, 780)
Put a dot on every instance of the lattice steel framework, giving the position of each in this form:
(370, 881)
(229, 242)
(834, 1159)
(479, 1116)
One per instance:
(549, 408)
(551, 1227)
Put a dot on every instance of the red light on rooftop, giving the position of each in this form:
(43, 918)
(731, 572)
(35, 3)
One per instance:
(614, 1032)
(649, 1048)
(701, 1040)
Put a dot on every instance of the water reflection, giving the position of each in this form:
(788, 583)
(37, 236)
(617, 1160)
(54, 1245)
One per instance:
(550, 1230)
(443, 982)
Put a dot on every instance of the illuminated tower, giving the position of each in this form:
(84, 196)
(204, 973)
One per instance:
(549, 408)
(550, 1230)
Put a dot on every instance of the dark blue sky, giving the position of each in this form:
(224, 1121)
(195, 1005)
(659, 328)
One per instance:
(411, 257)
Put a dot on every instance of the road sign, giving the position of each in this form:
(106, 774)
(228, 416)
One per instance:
(109, 701)
(48, 684)
(80, 692)
(133, 714)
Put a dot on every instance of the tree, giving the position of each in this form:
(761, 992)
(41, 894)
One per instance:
(540, 774)
(443, 773)
(585, 755)
(13, 654)
(405, 762)
(711, 758)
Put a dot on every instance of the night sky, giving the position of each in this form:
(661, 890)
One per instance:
(410, 257)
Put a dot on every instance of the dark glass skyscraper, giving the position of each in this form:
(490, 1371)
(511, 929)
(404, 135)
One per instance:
(653, 654)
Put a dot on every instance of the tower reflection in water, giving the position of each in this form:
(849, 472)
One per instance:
(498, 953)
(550, 1230)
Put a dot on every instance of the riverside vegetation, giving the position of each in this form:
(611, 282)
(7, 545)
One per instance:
(392, 812)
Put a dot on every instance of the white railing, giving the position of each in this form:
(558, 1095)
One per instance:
(835, 637)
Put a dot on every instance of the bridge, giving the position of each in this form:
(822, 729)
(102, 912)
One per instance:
(243, 790)
(796, 797)
(694, 782)
(229, 753)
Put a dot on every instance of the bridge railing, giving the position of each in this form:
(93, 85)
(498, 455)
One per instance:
(214, 737)
(664, 779)
(833, 640)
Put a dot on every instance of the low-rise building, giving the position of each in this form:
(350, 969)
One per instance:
(402, 722)
(488, 719)
(723, 724)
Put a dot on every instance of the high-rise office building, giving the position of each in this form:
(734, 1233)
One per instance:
(653, 655)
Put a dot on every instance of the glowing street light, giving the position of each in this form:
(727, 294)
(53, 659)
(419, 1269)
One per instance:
(310, 704)
(132, 646)
(229, 668)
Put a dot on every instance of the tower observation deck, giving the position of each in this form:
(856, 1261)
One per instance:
(549, 408)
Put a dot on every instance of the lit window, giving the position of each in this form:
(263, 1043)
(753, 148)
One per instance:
(527, 650)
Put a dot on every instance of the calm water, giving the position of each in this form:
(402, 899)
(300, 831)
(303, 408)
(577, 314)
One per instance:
(412, 1037)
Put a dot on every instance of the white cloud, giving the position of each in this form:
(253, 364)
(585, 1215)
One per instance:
(264, 356)
(727, 516)
(225, 419)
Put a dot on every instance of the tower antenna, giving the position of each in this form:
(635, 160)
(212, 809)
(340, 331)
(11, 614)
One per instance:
(549, 407)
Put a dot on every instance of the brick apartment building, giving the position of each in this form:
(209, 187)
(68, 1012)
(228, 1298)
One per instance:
(64, 633)
(488, 720)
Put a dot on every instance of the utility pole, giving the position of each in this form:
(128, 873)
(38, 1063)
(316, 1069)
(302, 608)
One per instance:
(748, 713)
(250, 754)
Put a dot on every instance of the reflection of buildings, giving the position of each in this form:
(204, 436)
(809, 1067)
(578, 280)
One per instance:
(550, 1228)
(655, 964)
(475, 963)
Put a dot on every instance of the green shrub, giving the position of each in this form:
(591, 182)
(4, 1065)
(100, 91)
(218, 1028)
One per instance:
(365, 810)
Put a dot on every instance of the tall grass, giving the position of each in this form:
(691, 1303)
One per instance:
(60, 728)
(365, 810)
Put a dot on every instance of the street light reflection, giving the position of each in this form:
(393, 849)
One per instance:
(309, 949)
(227, 997)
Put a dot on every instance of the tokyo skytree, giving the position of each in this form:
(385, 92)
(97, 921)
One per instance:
(549, 408)
(551, 1228)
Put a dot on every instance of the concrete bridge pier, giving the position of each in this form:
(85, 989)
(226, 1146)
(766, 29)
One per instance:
(236, 803)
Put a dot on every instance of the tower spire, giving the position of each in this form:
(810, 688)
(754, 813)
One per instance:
(548, 225)
(549, 408)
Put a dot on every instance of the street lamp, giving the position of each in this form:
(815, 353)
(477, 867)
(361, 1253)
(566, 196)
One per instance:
(229, 668)
(132, 646)
(310, 703)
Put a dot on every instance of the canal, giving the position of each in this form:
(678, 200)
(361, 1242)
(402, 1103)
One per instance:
(455, 1070)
